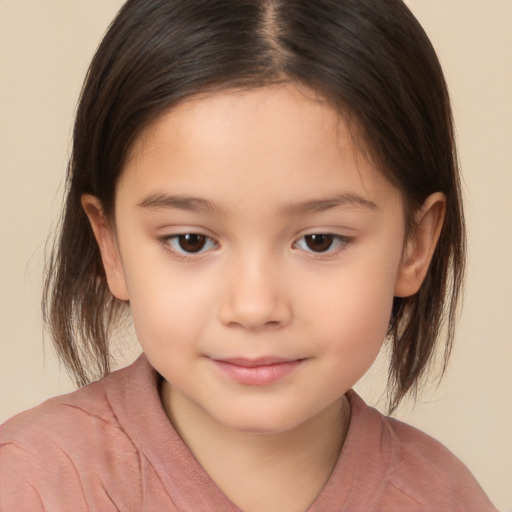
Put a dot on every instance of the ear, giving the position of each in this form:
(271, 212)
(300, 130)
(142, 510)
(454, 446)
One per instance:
(420, 245)
(107, 243)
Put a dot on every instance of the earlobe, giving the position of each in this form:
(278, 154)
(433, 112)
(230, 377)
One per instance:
(108, 247)
(420, 246)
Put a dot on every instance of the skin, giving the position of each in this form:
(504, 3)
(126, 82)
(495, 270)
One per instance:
(275, 165)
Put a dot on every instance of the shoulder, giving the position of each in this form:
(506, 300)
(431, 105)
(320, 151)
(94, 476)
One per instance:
(62, 429)
(79, 421)
(421, 465)
(61, 419)
(420, 471)
(67, 442)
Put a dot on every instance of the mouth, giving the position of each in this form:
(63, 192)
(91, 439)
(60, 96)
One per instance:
(257, 372)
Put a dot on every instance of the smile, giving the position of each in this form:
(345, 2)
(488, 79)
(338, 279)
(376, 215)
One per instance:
(256, 372)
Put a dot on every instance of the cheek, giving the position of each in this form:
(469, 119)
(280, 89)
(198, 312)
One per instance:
(358, 323)
(169, 308)
(358, 291)
(355, 338)
(351, 311)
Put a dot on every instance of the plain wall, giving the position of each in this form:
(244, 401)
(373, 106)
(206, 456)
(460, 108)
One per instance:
(45, 47)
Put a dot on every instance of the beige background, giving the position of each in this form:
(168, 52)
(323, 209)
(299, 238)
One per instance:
(45, 47)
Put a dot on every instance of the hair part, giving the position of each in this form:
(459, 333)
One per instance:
(369, 58)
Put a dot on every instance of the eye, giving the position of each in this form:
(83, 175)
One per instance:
(321, 243)
(190, 243)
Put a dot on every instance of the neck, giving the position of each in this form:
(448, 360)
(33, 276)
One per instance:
(263, 472)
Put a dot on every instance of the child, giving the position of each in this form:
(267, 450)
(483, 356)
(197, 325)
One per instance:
(270, 189)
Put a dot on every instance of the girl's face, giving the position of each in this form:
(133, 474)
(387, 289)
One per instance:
(259, 252)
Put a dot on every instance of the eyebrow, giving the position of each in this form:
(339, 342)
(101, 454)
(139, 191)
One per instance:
(193, 204)
(336, 201)
(197, 204)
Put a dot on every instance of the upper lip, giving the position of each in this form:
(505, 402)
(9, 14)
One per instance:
(253, 363)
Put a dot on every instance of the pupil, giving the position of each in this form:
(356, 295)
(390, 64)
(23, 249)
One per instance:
(192, 243)
(319, 243)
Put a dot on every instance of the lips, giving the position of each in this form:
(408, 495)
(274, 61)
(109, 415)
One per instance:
(257, 372)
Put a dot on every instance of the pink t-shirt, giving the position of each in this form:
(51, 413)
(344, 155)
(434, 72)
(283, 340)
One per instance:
(109, 447)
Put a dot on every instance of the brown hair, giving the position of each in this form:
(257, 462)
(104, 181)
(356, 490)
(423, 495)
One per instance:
(370, 58)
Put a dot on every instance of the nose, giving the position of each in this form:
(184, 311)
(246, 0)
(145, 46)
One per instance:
(255, 295)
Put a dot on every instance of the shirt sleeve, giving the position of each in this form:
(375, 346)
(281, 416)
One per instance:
(38, 480)
(17, 493)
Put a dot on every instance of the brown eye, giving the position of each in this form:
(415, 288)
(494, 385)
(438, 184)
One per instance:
(189, 243)
(319, 243)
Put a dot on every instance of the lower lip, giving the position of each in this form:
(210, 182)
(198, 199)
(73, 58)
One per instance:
(257, 375)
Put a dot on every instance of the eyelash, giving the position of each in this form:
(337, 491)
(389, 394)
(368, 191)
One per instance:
(339, 242)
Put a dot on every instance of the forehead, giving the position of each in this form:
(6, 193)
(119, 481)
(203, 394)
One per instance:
(229, 116)
(281, 138)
